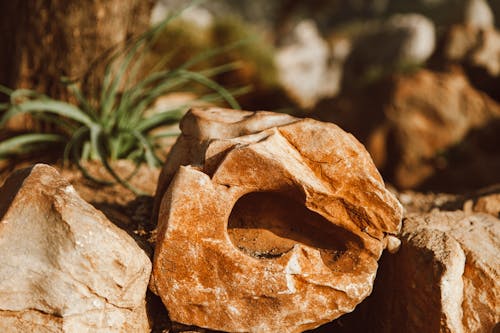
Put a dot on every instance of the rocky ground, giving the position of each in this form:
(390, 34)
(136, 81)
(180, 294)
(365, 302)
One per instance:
(419, 92)
(448, 256)
(134, 215)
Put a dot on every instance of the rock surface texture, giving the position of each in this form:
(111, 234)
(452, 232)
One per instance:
(269, 224)
(63, 266)
(445, 278)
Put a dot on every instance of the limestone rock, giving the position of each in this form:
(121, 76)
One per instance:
(445, 278)
(478, 14)
(418, 36)
(64, 267)
(474, 47)
(489, 204)
(270, 223)
(307, 68)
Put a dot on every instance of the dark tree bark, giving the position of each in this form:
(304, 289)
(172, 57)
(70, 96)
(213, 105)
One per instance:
(43, 40)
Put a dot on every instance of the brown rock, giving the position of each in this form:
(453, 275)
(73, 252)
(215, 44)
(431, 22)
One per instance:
(431, 129)
(445, 278)
(64, 267)
(273, 224)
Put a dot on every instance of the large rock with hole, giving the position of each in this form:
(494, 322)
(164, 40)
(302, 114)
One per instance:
(63, 266)
(269, 223)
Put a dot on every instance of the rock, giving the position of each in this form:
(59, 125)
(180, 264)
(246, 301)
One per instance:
(419, 43)
(270, 223)
(477, 50)
(195, 14)
(425, 130)
(489, 204)
(64, 267)
(487, 52)
(307, 68)
(428, 114)
(473, 47)
(478, 14)
(445, 278)
(402, 41)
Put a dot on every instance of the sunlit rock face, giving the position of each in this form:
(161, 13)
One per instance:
(63, 266)
(268, 223)
(445, 277)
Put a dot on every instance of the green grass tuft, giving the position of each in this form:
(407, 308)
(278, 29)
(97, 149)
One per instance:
(113, 123)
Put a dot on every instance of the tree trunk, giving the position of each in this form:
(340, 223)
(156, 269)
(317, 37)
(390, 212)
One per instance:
(44, 40)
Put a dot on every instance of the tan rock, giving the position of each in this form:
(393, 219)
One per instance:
(475, 47)
(478, 14)
(489, 204)
(64, 267)
(307, 68)
(271, 223)
(445, 278)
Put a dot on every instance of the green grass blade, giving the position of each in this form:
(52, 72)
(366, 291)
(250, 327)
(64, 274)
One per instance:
(112, 82)
(25, 94)
(216, 97)
(165, 135)
(98, 143)
(5, 90)
(226, 95)
(48, 106)
(80, 98)
(209, 72)
(61, 123)
(210, 53)
(160, 119)
(75, 142)
(142, 102)
(110, 97)
(27, 142)
(151, 159)
(76, 149)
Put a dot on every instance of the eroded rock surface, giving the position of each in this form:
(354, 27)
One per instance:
(269, 223)
(445, 278)
(63, 266)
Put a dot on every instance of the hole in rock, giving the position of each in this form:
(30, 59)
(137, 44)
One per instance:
(268, 224)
